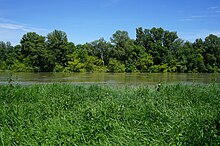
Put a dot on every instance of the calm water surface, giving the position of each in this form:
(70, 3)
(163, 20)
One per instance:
(110, 78)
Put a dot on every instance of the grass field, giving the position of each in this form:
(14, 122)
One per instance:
(65, 114)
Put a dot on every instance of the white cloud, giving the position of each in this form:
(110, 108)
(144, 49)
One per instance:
(212, 8)
(11, 26)
(198, 16)
(210, 12)
(20, 27)
(12, 31)
(196, 34)
(10, 35)
(193, 18)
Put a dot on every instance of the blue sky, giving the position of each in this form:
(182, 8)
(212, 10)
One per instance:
(89, 20)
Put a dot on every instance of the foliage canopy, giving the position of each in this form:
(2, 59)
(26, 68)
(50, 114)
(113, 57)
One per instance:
(153, 50)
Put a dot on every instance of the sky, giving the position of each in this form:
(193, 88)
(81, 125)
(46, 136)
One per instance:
(89, 20)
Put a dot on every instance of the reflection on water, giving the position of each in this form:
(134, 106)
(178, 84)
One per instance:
(110, 78)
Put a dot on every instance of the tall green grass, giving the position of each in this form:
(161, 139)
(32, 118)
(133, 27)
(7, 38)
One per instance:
(64, 114)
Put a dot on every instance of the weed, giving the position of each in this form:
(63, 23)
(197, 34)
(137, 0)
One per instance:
(65, 114)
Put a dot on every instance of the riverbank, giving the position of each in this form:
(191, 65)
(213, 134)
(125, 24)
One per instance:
(64, 114)
(135, 79)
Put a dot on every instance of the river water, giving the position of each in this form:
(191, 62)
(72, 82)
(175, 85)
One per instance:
(110, 78)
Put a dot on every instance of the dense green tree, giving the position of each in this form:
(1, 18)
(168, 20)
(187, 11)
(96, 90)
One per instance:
(75, 63)
(17, 50)
(58, 46)
(158, 42)
(8, 55)
(144, 62)
(34, 51)
(187, 58)
(116, 66)
(123, 46)
(120, 38)
(153, 50)
(93, 63)
(140, 37)
(212, 52)
(198, 45)
(3, 51)
(101, 49)
(71, 47)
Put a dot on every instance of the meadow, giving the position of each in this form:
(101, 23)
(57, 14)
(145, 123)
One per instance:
(67, 114)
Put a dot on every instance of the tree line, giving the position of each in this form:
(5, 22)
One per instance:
(153, 50)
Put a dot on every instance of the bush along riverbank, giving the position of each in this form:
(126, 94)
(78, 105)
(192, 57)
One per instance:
(64, 114)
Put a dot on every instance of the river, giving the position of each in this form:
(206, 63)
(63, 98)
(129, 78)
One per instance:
(110, 78)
